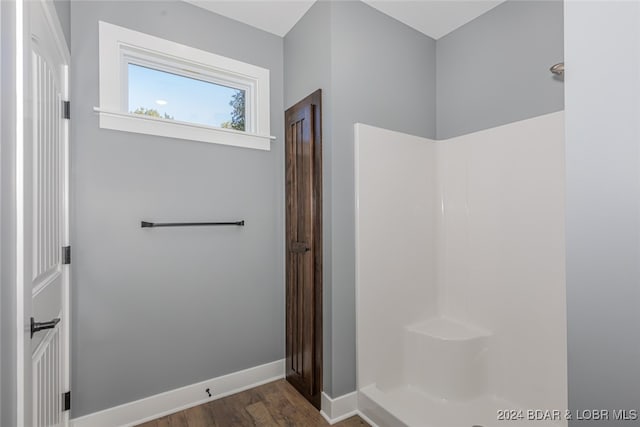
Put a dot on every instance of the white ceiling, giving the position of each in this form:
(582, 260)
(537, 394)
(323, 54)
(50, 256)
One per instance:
(434, 18)
(273, 16)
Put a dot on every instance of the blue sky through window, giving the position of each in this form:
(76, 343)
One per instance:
(180, 97)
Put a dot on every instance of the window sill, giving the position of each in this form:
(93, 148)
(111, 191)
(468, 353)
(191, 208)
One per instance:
(137, 123)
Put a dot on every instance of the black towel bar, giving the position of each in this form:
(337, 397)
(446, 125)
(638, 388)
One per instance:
(146, 224)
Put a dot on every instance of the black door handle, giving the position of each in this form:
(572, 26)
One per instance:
(41, 326)
(300, 247)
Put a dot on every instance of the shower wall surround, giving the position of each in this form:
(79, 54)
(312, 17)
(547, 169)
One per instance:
(503, 252)
(460, 274)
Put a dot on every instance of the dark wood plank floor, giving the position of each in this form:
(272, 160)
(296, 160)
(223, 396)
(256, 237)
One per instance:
(273, 404)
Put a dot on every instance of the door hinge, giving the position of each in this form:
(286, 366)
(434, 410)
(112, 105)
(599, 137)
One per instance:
(66, 255)
(66, 109)
(66, 401)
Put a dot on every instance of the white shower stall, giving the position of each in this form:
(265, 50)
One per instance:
(460, 281)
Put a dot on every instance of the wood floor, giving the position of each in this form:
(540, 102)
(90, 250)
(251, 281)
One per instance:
(272, 404)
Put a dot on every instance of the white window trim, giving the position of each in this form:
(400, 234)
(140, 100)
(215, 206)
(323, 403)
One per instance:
(120, 46)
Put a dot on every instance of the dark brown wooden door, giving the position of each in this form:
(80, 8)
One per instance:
(304, 246)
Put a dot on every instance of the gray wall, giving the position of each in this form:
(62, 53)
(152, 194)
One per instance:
(307, 67)
(63, 9)
(603, 205)
(8, 327)
(370, 56)
(154, 310)
(495, 69)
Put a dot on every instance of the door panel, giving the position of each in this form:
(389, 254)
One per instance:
(47, 381)
(47, 190)
(43, 220)
(304, 247)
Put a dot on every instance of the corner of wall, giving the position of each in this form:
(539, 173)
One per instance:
(307, 67)
(520, 38)
(63, 10)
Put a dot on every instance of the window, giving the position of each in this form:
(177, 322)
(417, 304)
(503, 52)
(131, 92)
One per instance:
(172, 96)
(158, 87)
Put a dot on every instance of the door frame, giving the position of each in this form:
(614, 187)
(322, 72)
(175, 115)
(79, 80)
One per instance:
(8, 209)
(314, 99)
(24, 136)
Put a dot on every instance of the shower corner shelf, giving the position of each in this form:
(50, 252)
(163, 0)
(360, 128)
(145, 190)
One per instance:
(446, 358)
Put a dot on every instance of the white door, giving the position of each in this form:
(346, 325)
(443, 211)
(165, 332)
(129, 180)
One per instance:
(42, 193)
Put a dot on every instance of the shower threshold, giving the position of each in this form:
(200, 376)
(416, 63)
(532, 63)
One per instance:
(408, 406)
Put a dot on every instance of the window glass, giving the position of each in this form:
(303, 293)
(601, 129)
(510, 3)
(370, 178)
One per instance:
(176, 97)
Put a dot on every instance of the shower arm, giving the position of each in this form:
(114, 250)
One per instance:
(558, 69)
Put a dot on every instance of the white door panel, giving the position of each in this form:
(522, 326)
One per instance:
(43, 220)
(47, 86)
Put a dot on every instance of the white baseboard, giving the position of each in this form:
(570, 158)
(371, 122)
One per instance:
(340, 408)
(162, 404)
